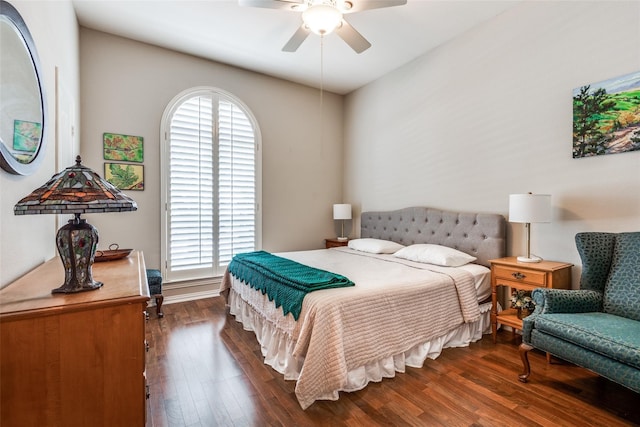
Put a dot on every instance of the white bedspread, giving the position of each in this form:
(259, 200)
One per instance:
(396, 306)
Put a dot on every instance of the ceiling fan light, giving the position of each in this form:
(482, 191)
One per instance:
(322, 19)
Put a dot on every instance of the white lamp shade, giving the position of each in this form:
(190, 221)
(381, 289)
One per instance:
(342, 211)
(530, 208)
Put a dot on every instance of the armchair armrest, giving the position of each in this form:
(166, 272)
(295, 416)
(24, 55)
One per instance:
(560, 301)
(567, 301)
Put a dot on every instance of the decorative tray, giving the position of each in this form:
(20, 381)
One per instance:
(112, 254)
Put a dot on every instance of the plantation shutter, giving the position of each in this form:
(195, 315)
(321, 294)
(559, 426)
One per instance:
(191, 237)
(211, 202)
(237, 183)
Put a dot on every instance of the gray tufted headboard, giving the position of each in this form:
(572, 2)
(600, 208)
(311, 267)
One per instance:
(480, 235)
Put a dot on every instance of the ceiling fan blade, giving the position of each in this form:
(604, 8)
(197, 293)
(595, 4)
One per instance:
(360, 5)
(271, 4)
(352, 37)
(296, 40)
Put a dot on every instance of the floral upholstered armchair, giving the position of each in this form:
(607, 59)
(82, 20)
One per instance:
(598, 326)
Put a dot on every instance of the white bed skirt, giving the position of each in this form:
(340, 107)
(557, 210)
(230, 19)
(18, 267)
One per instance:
(277, 347)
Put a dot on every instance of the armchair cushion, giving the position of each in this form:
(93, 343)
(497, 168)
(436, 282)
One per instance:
(613, 336)
(622, 290)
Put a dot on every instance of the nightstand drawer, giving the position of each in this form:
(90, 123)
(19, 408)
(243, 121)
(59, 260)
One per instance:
(335, 243)
(521, 275)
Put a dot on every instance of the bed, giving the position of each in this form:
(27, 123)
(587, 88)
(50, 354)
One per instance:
(400, 312)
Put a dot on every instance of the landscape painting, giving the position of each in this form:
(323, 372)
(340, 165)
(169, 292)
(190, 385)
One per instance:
(126, 148)
(125, 176)
(606, 117)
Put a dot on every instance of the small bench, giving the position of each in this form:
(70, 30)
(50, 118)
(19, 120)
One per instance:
(154, 279)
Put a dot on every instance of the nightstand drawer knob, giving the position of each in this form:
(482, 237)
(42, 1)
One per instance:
(518, 276)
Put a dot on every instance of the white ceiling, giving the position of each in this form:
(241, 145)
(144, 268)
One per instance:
(252, 38)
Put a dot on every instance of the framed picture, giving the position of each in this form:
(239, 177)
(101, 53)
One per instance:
(126, 148)
(125, 176)
(606, 117)
(26, 136)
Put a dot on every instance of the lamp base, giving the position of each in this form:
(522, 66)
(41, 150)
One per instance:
(77, 242)
(529, 259)
(72, 288)
(342, 239)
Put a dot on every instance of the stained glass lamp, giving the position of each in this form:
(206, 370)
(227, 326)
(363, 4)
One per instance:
(76, 190)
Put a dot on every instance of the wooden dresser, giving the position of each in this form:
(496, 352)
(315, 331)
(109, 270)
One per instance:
(75, 359)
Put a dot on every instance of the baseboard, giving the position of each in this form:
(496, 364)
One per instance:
(191, 296)
(191, 290)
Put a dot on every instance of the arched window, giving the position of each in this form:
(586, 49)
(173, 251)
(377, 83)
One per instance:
(211, 183)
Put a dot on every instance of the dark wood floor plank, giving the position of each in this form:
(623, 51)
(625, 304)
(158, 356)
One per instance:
(204, 369)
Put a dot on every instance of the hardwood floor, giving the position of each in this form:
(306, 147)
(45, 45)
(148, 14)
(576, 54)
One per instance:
(203, 369)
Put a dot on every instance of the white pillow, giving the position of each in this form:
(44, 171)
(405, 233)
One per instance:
(434, 254)
(375, 246)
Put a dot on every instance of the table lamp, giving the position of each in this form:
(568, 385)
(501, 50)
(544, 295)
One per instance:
(529, 208)
(342, 212)
(76, 190)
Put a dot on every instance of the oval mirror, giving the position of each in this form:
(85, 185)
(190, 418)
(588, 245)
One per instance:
(22, 100)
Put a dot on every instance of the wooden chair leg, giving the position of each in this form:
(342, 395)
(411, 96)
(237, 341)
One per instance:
(159, 300)
(524, 355)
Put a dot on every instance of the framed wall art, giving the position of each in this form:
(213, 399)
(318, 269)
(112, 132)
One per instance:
(26, 139)
(125, 176)
(606, 117)
(126, 148)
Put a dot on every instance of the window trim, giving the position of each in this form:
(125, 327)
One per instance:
(165, 128)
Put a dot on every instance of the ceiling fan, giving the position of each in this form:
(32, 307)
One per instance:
(323, 17)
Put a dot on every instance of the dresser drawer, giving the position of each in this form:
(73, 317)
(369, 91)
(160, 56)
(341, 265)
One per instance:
(520, 275)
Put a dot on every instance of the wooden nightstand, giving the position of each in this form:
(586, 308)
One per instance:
(335, 243)
(510, 273)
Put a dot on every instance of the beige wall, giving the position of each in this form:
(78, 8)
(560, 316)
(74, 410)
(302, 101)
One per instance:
(27, 241)
(126, 87)
(486, 115)
(490, 114)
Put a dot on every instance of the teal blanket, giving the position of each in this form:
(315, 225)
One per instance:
(285, 282)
